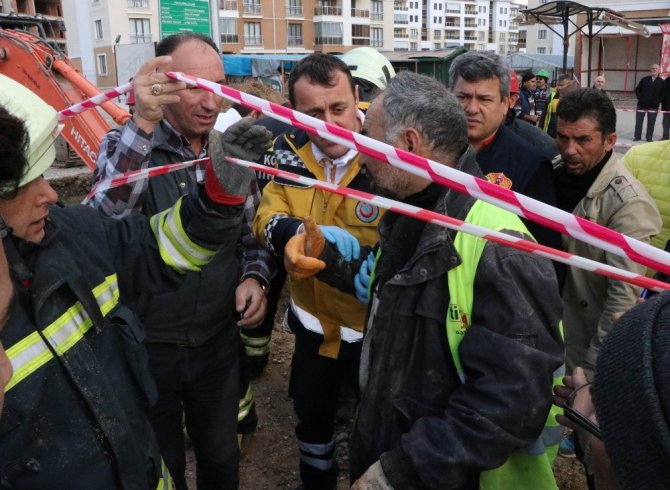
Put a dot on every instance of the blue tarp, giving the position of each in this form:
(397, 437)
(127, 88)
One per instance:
(243, 65)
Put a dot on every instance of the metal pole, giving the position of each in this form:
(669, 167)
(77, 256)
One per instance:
(566, 37)
(589, 19)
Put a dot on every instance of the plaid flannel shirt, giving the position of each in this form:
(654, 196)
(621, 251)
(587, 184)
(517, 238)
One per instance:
(129, 148)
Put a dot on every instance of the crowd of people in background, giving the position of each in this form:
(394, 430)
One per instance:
(141, 319)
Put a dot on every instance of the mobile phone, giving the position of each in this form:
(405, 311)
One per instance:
(582, 421)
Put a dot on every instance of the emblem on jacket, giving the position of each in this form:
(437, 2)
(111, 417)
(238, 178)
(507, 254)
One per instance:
(367, 213)
(499, 178)
(461, 319)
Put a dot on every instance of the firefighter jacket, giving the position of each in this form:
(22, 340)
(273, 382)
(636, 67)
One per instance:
(75, 412)
(203, 305)
(620, 202)
(285, 203)
(428, 428)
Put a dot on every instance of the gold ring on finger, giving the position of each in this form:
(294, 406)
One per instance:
(156, 89)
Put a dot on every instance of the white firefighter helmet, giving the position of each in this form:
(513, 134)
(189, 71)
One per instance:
(370, 65)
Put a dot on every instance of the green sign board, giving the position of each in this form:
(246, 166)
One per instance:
(184, 16)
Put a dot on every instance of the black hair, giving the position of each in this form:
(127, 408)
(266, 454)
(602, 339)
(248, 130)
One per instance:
(168, 45)
(319, 68)
(14, 143)
(588, 102)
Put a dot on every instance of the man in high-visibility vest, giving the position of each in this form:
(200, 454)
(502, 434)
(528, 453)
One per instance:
(76, 407)
(462, 341)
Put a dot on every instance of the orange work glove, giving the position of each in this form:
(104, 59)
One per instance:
(302, 251)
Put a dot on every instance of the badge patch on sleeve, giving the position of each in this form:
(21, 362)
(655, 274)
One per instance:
(499, 178)
(367, 213)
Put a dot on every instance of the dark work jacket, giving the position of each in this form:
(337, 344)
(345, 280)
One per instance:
(649, 93)
(530, 172)
(204, 304)
(428, 429)
(534, 136)
(79, 420)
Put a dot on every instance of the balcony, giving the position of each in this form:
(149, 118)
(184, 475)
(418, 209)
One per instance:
(328, 40)
(328, 10)
(133, 4)
(230, 39)
(294, 41)
(400, 19)
(294, 11)
(452, 35)
(470, 38)
(252, 8)
(360, 13)
(377, 43)
(400, 35)
(253, 40)
(360, 41)
(377, 16)
(470, 11)
(452, 24)
(228, 5)
(452, 11)
(470, 25)
(400, 6)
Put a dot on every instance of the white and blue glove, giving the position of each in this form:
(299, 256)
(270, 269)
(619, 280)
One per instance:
(345, 242)
(362, 279)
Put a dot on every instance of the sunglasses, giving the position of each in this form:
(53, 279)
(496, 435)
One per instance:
(577, 417)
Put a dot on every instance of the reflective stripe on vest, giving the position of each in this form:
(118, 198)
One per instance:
(176, 248)
(32, 352)
(528, 468)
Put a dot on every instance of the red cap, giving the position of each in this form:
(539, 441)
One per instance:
(513, 82)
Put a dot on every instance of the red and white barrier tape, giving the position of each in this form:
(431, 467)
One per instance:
(136, 175)
(544, 214)
(96, 100)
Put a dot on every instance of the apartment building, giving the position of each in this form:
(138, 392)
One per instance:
(540, 39)
(50, 10)
(482, 25)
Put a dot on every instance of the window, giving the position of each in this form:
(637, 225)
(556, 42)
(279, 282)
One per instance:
(437, 45)
(102, 64)
(377, 37)
(504, 23)
(437, 35)
(140, 31)
(501, 37)
(138, 4)
(505, 9)
(541, 50)
(500, 23)
(360, 35)
(252, 7)
(252, 34)
(294, 35)
(542, 34)
(294, 8)
(328, 32)
(228, 29)
(97, 27)
(414, 46)
(376, 10)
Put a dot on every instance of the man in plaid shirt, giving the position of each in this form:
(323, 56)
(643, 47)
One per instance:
(192, 334)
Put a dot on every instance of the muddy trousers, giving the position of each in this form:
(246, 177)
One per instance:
(314, 387)
(198, 385)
